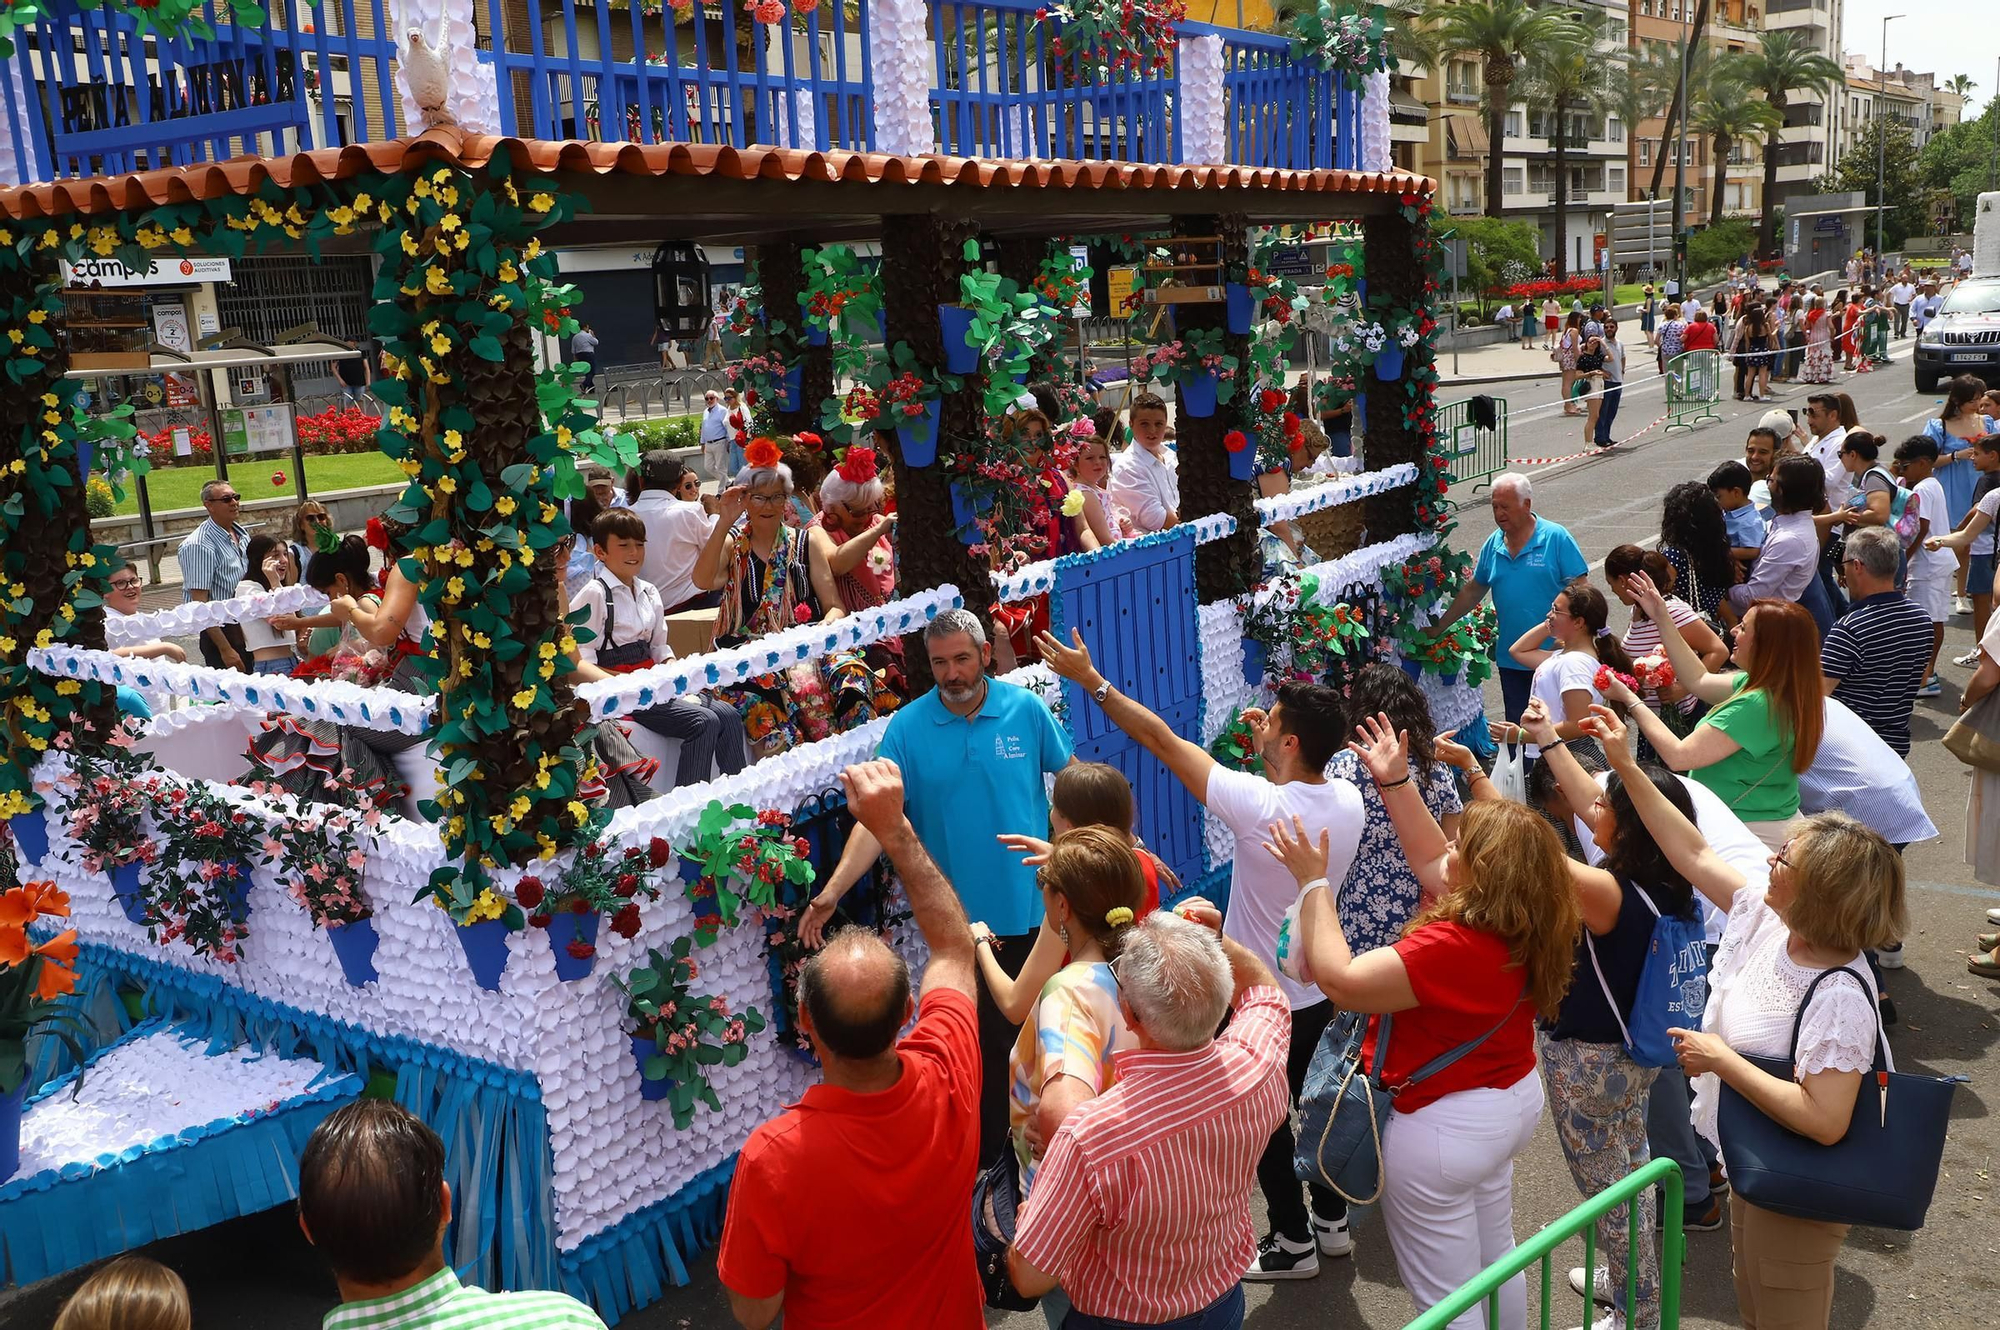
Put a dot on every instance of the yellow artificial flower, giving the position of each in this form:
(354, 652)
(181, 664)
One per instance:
(7, 645)
(68, 687)
(43, 638)
(37, 315)
(449, 222)
(563, 435)
(507, 272)
(447, 484)
(482, 641)
(523, 699)
(409, 244)
(182, 236)
(578, 811)
(504, 505)
(411, 467)
(533, 249)
(542, 781)
(437, 281)
(440, 344)
(48, 399)
(453, 439)
(540, 202)
(461, 240)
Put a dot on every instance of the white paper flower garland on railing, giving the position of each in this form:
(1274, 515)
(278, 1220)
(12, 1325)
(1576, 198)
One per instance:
(1204, 140)
(1365, 565)
(1283, 507)
(1375, 122)
(662, 683)
(317, 699)
(124, 630)
(1038, 579)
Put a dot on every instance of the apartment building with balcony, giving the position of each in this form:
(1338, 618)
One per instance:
(1917, 102)
(1813, 122)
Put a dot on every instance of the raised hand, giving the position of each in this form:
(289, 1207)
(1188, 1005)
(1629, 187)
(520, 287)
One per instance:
(1294, 849)
(1384, 751)
(1540, 729)
(1604, 725)
(1072, 662)
(1454, 754)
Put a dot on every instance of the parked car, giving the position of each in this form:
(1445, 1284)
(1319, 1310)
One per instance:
(1964, 338)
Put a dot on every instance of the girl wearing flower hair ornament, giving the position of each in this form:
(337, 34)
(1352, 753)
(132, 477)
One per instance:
(769, 583)
(848, 543)
(1099, 519)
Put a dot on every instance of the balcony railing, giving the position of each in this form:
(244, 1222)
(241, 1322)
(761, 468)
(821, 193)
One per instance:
(100, 98)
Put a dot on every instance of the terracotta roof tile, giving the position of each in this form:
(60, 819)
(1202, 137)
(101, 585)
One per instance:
(243, 175)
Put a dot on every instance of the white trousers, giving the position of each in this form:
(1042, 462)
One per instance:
(1448, 1193)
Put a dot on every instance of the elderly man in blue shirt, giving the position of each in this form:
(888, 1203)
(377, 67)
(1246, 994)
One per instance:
(1523, 564)
(213, 558)
(974, 752)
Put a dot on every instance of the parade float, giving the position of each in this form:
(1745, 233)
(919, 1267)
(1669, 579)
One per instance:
(594, 1007)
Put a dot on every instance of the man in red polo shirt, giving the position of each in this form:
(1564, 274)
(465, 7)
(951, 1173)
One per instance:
(851, 1209)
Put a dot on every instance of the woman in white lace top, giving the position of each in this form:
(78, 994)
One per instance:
(1836, 888)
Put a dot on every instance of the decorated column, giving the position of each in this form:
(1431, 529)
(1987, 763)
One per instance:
(1226, 567)
(1401, 261)
(782, 279)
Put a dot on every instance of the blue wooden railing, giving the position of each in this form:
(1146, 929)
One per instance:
(100, 99)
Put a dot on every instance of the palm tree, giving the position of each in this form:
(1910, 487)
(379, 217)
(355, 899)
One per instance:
(1634, 95)
(1564, 76)
(1961, 84)
(1502, 34)
(1780, 64)
(1694, 45)
(1726, 113)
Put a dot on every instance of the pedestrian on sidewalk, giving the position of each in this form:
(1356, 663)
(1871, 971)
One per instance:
(1551, 320)
(1569, 344)
(1613, 352)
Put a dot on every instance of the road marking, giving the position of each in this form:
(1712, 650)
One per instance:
(1953, 889)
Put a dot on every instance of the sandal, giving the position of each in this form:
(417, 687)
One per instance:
(1988, 941)
(1986, 966)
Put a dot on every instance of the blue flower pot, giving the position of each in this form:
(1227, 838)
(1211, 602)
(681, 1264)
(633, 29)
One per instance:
(790, 387)
(955, 326)
(815, 335)
(10, 1130)
(354, 947)
(1389, 363)
(882, 326)
(1198, 395)
(919, 437)
(485, 946)
(566, 928)
(964, 513)
(1242, 307)
(1414, 669)
(1243, 465)
(1255, 655)
(125, 886)
(238, 893)
(643, 1048)
(83, 455)
(31, 835)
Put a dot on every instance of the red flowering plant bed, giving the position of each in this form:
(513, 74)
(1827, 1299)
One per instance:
(600, 882)
(739, 856)
(338, 429)
(1543, 289)
(679, 1034)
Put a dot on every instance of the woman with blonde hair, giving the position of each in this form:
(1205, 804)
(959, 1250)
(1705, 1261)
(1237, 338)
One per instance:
(1836, 890)
(130, 1293)
(1470, 974)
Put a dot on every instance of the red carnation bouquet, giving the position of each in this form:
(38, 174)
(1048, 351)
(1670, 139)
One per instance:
(599, 881)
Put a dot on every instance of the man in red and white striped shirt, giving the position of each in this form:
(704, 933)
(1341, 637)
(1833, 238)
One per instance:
(1141, 1210)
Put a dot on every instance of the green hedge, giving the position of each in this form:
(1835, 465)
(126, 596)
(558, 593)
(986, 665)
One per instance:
(673, 432)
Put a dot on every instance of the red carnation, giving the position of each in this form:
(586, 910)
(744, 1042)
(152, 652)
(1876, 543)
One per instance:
(582, 951)
(529, 892)
(1236, 441)
(541, 920)
(1270, 399)
(625, 923)
(626, 885)
(801, 846)
(658, 852)
(579, 906)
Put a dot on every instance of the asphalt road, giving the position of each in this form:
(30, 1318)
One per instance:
(257, 1274)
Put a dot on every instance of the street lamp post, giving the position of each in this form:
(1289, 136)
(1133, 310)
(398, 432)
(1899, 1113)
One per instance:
(1680, 162)
(1882, 141)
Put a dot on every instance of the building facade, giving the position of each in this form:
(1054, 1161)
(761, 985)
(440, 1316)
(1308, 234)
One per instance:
(1918, 102)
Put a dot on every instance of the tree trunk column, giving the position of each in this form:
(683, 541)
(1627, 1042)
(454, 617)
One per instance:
(922, 259)
(1395, 272)
(1230, 566)
(782, 278)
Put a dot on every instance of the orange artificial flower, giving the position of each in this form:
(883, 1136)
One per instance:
(762, 453)
(56, 978)
(14, 949)
(62, 947)
(22, 905)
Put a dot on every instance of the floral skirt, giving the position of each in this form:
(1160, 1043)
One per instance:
(809, 702)
(1818, 367)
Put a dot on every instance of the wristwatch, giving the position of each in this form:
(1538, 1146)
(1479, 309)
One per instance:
(1102, 691)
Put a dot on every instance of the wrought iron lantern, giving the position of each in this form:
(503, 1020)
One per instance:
(681, 305)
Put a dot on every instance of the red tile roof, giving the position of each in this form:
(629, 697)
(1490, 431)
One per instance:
(243, 175)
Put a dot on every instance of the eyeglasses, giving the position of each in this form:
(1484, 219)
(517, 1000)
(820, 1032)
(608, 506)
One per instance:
(226, 498)
(317, 519)
(1779, 857)
(126, 584)
(768, 500)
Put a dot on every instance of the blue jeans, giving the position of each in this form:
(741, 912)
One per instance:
(282, 665)
(1516, 688)
(1607, 411)
(1225, 1313)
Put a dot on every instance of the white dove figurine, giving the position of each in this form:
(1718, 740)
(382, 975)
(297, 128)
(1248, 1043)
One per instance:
(428, 78)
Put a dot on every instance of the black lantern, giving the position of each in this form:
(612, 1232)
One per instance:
(680, 290)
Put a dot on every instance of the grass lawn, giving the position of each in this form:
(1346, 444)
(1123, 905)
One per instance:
(180, 487)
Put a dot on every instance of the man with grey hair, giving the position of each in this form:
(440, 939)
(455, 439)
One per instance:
(1141, 1210)
(1524, 563)
(213, 559)
(1875, 659)
(974, 752)
(851, 1204)
(715, 437)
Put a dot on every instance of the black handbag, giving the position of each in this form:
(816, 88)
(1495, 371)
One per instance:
(996, 1200)
(1881, 1173)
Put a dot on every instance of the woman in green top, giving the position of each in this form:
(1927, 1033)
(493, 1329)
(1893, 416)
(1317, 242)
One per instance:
(1765, 724)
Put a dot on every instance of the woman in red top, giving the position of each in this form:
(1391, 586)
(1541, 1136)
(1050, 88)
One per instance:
(1476, 968)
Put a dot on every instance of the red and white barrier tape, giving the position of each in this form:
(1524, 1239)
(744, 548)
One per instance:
(1515, 463)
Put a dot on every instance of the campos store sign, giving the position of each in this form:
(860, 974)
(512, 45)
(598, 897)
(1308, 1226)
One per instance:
(166, 271)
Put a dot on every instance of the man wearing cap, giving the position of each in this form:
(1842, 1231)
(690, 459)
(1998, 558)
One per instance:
(676, 530)
(715, 437)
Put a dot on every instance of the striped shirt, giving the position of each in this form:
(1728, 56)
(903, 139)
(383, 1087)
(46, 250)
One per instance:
(1142, 1204)
(442, 1303)
(1879, 651)
(214, 560)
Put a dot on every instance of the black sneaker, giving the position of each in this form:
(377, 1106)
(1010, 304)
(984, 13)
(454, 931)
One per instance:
(1279, 1257)
(1888, 1007)
(1708, 1221)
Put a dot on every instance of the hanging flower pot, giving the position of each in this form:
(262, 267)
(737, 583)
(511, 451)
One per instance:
(643, 1047)
(1255, 658)
(31, 835)
(566, 930)
(485, 946)
(966, 510)
(815, 335)
(918, 435)
(882, 326)
(10, 1130)
(961, 356)
(789, 388)
(83, 454)
(354, 947)
(125, 887)
(1389, 363)
(1242, 307)
(1413, 668)
(1198, 395)
(1242, 455)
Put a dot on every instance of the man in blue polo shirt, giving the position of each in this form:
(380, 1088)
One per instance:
(1523, 564)
(973, 752)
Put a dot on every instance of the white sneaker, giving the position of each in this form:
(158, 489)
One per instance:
(1608, 1321)
(1334, 1238)
(1993, 915)
(1970, 660)
(1961, 605)
(1890, 957)
(1579, 1281)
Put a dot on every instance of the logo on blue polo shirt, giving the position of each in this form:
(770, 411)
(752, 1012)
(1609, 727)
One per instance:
(1008, 747)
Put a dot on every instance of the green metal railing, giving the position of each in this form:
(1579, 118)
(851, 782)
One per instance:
(1694, 384)
(1476, 455)
(1485, 1288)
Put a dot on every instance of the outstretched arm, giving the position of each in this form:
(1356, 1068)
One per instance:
(1679, 839)
(875, 793)
(1188, 761)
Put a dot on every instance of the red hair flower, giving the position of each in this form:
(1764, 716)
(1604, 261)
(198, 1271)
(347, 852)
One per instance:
(762, 454)
(809, 441)
(377, 534)
(1236, 441)
(858, 465)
